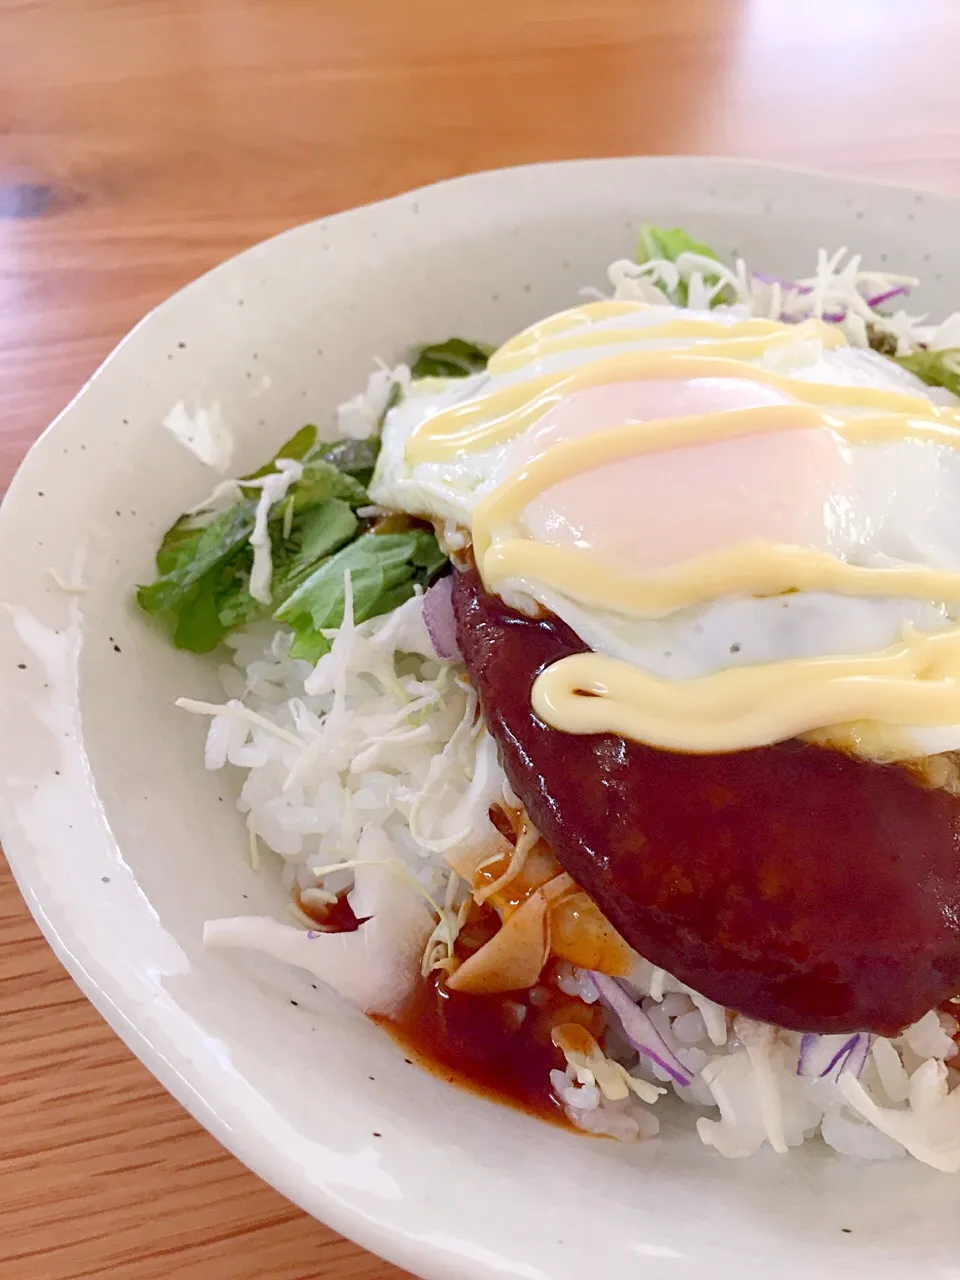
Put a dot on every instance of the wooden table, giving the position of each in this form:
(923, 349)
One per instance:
(142, 141)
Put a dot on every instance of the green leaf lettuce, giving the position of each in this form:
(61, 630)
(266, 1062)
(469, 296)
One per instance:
(669, 243)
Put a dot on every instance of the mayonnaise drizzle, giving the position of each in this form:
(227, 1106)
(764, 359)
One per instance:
(912, 684)
(747, 338)
(754, 567)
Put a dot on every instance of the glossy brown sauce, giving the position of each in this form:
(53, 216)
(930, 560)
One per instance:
(334, 917)
(496, 1046)
(791, 883)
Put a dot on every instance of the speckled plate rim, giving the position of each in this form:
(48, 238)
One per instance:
(465, 1251)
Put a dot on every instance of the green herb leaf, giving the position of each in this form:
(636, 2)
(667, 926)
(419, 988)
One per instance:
(319, 534)
(188, 555)
(320, 482)
(314, 536)
(203, 565)
(455, 358)
(384, 570)
(197, 626)
(670, 243)
(935, 368)
(355, 458)
(296, 448)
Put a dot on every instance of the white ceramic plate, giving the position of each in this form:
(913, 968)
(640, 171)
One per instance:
(122, 845)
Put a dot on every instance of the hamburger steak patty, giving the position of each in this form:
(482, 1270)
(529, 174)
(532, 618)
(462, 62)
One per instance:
(791, 883)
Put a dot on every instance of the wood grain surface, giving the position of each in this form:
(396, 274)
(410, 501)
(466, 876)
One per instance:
(142, 141)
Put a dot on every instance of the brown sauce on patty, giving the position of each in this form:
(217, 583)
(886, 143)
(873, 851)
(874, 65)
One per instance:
(791, 883)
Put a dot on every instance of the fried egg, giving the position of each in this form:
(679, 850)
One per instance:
(866, 504)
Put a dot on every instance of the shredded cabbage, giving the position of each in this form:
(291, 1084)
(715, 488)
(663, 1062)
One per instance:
(839, 291)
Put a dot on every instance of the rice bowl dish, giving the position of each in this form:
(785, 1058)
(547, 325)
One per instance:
(524, 662)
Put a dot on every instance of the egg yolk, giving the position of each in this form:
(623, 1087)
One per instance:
(655, 510)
